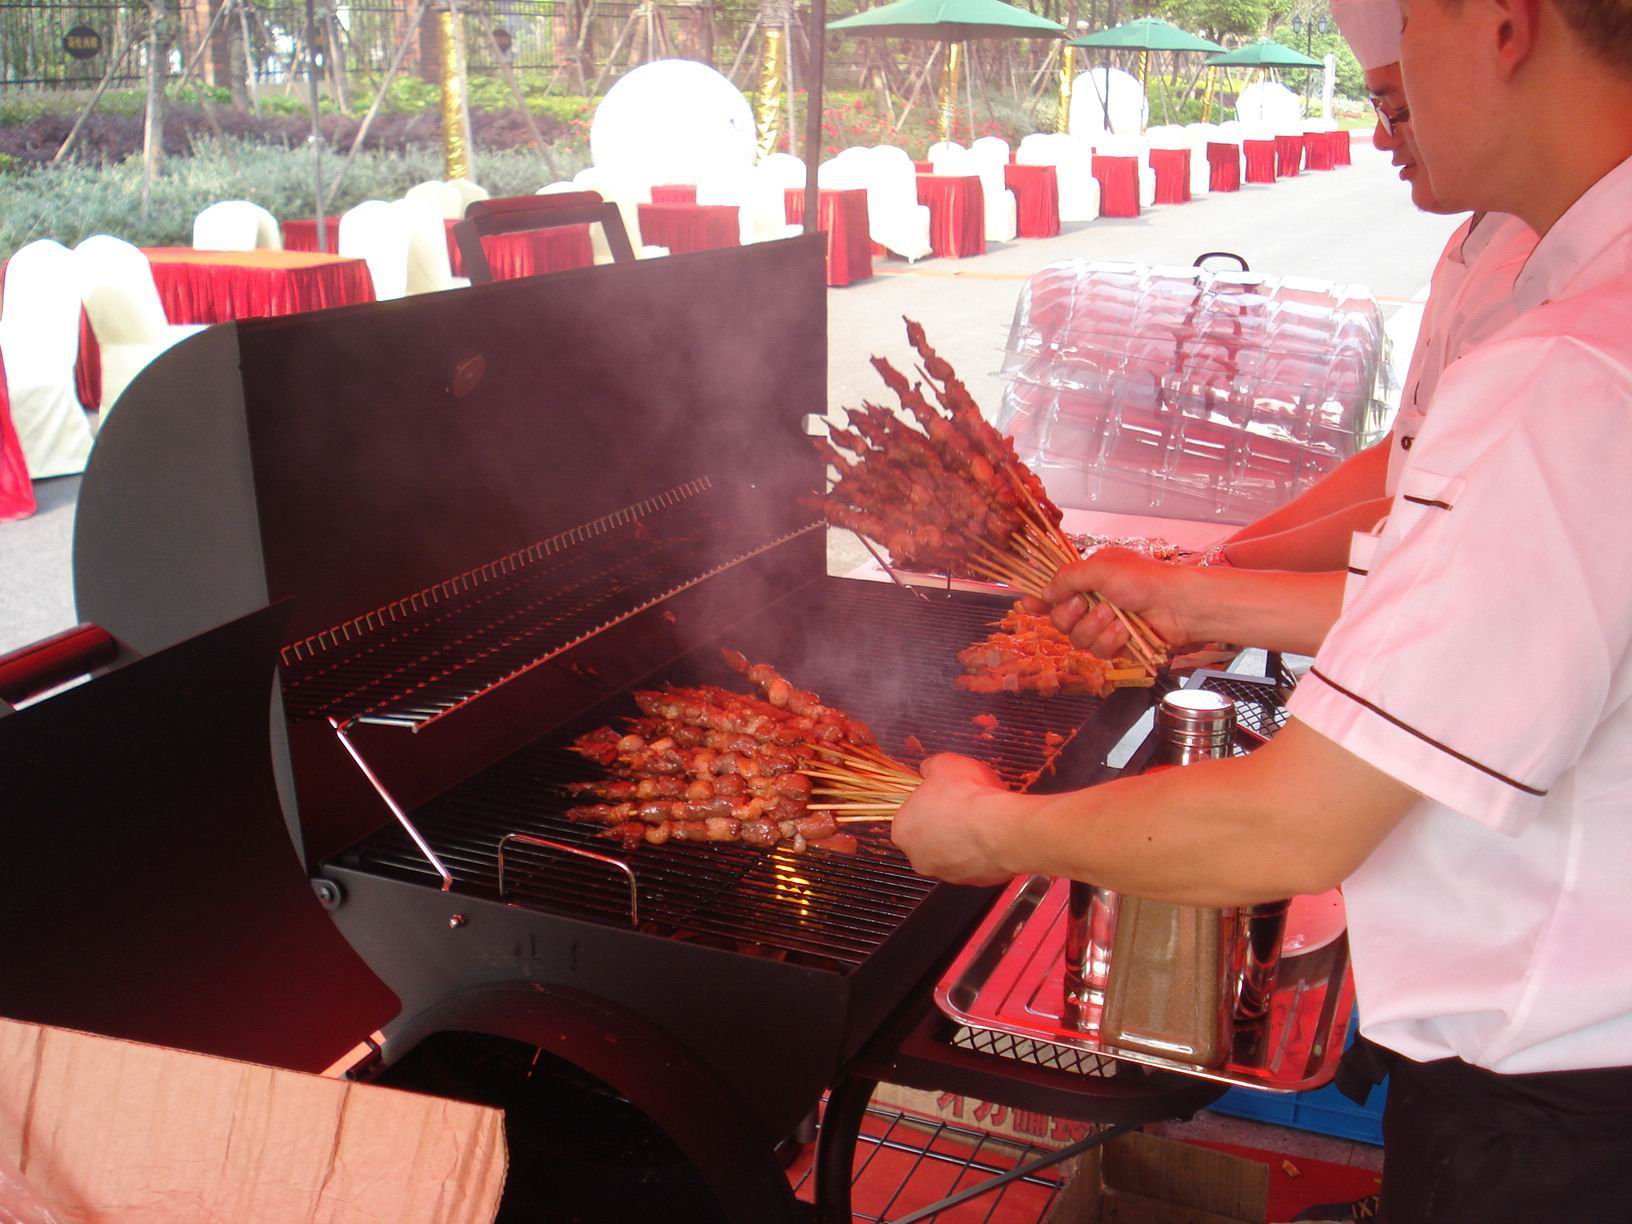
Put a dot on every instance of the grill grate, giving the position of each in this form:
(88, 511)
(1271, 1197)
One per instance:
(869, 648)
(421, 658)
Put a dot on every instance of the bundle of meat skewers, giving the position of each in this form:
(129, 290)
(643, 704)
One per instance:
(1025, 653)
(708, 764)
(951, 496)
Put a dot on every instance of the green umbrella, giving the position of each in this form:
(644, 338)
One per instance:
(948, 21)
(1265, 53)
(1146, 34)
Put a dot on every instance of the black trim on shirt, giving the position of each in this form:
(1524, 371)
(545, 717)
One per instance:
(1359, 573)
(1427, 739)
(1426, 501)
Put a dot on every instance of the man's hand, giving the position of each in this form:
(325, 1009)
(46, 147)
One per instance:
(1158, 591)
(951, 826)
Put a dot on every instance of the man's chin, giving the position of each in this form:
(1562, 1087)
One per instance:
(1422, 190)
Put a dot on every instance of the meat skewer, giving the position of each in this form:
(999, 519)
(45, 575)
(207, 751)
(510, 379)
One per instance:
(955, 496)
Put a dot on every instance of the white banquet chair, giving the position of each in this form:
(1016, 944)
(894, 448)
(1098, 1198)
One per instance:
(429, 269)
(122, 303)
(762, 214)
(236, 225)
(784, 169)
(1073, 160)
(377, 234)
(895, 219)
(628, 195)
(442, 199)
(39, 340)
(468, 192)
(988, 156)
(1199, 136)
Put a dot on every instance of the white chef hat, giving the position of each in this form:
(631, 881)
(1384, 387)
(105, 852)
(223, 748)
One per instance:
(1372, 28)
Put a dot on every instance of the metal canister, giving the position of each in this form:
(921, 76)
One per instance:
(1172, 981)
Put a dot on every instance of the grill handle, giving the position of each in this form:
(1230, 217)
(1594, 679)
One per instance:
(606, 860)
(49, 662)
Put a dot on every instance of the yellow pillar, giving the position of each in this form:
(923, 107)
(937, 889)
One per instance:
(949, 88)
(1068, 80)
(772, 82)
(455, 135)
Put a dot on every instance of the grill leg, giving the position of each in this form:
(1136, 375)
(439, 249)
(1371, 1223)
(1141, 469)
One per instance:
(836, 1147)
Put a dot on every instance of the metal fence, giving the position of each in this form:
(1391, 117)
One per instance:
(263, 41)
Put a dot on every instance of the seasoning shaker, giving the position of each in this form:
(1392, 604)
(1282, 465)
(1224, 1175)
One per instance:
(1171, 986)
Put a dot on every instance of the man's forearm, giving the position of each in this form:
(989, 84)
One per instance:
(1316, 546)
(1359, 478)
(1272, 609)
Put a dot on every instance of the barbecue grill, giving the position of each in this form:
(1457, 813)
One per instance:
(484, 519)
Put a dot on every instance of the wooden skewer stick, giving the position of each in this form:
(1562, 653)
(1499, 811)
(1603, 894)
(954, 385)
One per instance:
(885, 817)
(852, 807)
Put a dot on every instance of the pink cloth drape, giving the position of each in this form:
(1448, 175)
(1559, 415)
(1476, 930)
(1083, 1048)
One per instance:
(1224, 166)
(1118, 185)
(1036, 199)
(1172, 170)
(683, 228)
(957, 213)
(16, 489)
(1260, 155)
(1317, 150)
(1288, 155)
(842, 215)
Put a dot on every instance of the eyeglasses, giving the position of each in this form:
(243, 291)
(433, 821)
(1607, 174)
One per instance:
(1390, 122)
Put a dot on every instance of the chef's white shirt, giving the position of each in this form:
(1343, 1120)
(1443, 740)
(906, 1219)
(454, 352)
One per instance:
(1486, 662)
(1470, 299)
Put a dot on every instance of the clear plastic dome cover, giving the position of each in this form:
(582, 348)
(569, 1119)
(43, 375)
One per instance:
(1184, 393)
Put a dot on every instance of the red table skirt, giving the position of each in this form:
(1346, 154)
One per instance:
(1288, 155)
(220, 286)
(1118, 185)
(957, 213)
(1260, 155)
(1317, 150)
(842, 215)
(1036, 199)
(1340, 147)
(16, 489)
(510, 256)
(924, 167)
(674, 193)
(1172, 170)
(1224, 163)
(683, 228)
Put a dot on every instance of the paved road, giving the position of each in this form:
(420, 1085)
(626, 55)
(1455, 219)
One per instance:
(1354, 224)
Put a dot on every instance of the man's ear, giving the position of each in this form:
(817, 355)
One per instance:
(1518, 23)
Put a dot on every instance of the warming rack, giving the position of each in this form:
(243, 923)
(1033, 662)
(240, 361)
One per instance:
(419, 659)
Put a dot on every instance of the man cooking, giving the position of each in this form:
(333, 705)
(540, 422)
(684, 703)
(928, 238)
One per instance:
(1459, 757)
(1471, 297)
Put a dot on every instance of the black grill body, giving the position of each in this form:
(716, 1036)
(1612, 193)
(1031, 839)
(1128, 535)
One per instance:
(489, 516)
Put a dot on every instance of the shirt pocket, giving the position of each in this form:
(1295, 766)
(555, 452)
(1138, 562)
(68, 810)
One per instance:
(1362, 548)
(1424, 496)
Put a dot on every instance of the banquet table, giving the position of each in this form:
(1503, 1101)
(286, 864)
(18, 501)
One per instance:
(1118, 185)
(1224, 166)
(522, 253)
(1317, 150)
(1288, 155)
(1341, 147)
(220, 286)
(1260, 155)
(957, 213)
(16, 489)
(1036, 199)
(1172, 170)
(683, 228)
(842, 215)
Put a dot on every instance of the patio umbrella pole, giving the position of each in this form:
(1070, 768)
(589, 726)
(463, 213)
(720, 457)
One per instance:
(813, 110)
(949, 89)
(316, 137)
(1068, 80)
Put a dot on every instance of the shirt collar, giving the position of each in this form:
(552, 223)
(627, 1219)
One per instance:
(1598, 217)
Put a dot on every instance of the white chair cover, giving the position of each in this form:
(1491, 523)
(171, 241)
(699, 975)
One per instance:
(784, 169)
(941, 148)
(116, 286)
(39, 339)
(428, 270)
(895, 219)
(378, 235)
(236, 225)
(1073, 160)
(994, 148)
(1001, 209)
(597, 240)
(469, 192)
(761, 211)
(628, 194)
(442, 199)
